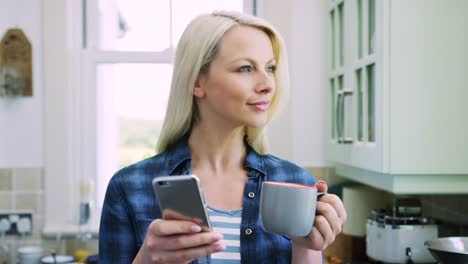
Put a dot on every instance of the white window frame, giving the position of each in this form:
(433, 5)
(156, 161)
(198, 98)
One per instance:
(70, 117)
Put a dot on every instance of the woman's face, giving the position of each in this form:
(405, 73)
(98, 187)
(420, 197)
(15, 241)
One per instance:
(238, 88)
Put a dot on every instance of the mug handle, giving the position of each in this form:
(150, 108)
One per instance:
(319, 194)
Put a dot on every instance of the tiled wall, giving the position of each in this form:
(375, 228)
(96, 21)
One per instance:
(450, 210)
(22, 189)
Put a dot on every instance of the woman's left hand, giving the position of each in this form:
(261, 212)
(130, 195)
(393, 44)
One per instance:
(330, 216)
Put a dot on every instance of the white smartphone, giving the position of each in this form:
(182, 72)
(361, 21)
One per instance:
(181, 198)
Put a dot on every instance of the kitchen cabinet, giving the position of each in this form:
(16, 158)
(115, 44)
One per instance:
(397, 99)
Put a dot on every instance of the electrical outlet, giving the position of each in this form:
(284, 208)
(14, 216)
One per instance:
(16, 223)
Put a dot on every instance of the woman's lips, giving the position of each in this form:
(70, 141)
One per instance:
(260, 106)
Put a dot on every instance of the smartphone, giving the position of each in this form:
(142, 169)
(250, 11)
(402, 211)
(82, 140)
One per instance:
(181, 198)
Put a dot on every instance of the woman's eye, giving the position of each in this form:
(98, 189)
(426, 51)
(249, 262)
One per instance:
(271, 69)
(245, 69)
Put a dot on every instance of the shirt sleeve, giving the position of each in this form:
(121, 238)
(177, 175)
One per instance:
(116, 233)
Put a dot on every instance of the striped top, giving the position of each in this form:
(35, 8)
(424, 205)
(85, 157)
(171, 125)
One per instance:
(226, 223)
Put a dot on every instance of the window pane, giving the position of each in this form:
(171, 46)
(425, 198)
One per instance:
(333, 107)
(341, 32)
(144, 25)
(183, 11)
(359, 28)
(127, 25)
(360, 105)
(372, 22)
(371, 102)
(132, 101)
(333, 41)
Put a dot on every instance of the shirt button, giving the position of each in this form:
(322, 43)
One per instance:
(251, 194)
(248, 231)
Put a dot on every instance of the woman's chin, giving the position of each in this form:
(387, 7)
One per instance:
(257, 124)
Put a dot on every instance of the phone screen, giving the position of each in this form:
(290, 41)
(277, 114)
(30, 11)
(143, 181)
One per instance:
(180, 198)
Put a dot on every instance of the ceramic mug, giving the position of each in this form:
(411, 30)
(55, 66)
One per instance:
(288, 208)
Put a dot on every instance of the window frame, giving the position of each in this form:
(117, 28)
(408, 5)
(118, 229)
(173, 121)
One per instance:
(70, 107)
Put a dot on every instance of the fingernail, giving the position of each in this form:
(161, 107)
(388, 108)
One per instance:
(321, 181)
(217, 236)
(195, 228)
(220, 247)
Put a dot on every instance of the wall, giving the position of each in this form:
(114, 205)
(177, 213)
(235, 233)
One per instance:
(21, 135)
(21, 127)
(21, 119)
(298, 134)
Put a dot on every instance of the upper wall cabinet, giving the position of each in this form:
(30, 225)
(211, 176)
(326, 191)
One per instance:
(398, 94)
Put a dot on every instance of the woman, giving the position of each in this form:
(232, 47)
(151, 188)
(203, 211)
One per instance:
(230, 76)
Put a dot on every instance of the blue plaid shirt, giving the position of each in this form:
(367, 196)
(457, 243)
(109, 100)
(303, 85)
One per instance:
(130, 205)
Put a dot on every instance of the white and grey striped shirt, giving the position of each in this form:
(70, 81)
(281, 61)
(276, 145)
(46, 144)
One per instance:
(226, 223)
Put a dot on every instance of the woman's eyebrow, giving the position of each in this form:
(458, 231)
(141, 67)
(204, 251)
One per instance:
(272, 60)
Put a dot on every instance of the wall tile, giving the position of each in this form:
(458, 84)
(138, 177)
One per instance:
(327, 174)
(6, 202)
(50, 245)
(40, 203)
(28, 179)
(318, 173)
(5, 180)
(38, 225)
(449, 209)
(27, 201)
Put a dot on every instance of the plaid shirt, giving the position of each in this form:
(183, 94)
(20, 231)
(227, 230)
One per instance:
(130, 205)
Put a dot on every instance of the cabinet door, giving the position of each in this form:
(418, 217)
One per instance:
(339, 96)
(355, 96)
(366, 73)
(429, 87)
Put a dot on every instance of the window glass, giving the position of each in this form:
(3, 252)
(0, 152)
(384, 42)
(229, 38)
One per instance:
(132, 101)
(141, 25)
(184, 11)
(371, 102)
(132, 97)
(149, 25)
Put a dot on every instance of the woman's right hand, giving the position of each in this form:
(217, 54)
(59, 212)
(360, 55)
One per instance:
(177, 241)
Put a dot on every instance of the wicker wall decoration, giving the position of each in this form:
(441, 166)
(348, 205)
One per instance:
(15, 64)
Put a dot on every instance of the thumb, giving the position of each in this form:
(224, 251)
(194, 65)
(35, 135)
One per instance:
(321, 186)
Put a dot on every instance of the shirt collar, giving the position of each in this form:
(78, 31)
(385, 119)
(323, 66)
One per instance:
(179, 159)
(254, 161)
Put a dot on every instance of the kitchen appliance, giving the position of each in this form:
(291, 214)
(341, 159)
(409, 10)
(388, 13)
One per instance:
(399, 239)
(449, 250)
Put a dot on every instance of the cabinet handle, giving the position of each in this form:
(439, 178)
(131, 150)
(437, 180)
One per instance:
(335, 118)
(347, 91)
(342, 137)
(342, 117)
(338, 116)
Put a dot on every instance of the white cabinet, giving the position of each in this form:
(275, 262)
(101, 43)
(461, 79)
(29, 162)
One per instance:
(398, 93)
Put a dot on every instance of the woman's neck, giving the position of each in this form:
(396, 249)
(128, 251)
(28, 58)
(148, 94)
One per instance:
(217, 150)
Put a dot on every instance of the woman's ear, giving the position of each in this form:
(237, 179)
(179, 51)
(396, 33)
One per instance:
(198, 88)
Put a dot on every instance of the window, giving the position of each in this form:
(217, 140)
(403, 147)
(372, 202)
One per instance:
(120, 78)
(130, 55)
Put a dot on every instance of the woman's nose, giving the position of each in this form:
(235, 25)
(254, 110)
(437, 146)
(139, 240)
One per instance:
(265, 84)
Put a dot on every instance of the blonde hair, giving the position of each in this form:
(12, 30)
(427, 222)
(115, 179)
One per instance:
(195, 51)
